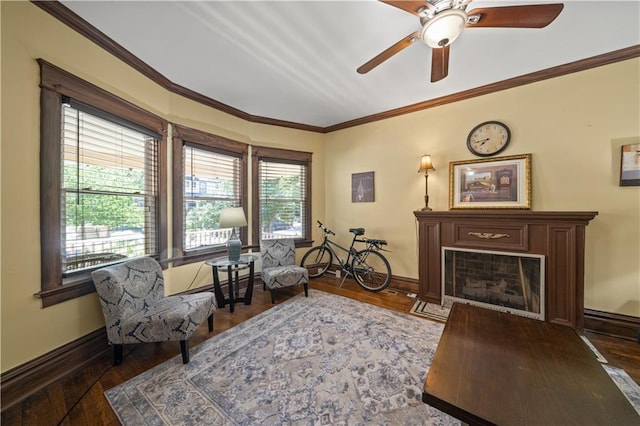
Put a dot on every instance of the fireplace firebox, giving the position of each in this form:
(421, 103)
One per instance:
(504, 281)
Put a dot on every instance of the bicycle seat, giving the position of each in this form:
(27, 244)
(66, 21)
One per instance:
(357, 231)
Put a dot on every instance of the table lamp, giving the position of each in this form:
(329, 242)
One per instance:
(233, 217)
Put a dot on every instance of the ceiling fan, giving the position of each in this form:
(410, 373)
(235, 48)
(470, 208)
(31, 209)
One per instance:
(443, 20)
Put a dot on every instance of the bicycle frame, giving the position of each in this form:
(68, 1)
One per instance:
(346, 263)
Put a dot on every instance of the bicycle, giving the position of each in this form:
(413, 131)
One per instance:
(369, 267)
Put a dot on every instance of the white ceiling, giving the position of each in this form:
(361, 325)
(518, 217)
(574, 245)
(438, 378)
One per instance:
(296, 60)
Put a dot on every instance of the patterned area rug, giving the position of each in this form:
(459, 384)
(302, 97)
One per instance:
(430, 310)
(319, 360)
(627, 386)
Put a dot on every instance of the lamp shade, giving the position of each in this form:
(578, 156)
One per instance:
(444, 28)
(232, 217)
(426, 164)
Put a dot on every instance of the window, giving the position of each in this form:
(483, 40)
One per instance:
(109, 190)
(101, 183)
(211, 177)
(282, 194)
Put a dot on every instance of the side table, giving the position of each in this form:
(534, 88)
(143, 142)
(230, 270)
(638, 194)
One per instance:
(233, 267)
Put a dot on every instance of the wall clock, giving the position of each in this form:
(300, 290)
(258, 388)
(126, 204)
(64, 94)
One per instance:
(488, 138)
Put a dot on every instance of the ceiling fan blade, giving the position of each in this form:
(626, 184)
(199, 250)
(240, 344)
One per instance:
(377, 60)
(411, 6)
(439, 63)
(525, 16)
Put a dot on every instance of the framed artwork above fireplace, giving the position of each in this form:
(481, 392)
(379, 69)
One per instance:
(503, 281)
(498, 183)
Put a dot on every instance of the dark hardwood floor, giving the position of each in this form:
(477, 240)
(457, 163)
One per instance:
(78, 399)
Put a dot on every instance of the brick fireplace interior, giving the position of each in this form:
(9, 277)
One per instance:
(504, 281)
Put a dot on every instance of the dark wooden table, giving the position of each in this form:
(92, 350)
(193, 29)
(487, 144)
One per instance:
(233, 280)
(502, 369)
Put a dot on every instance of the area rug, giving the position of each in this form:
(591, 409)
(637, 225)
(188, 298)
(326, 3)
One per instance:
(627, 386)
(319, 360)
(430, 310)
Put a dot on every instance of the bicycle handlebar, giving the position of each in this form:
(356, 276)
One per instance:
(325, 229)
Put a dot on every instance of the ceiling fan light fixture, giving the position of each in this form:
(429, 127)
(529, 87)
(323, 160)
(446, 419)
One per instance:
(444, 28)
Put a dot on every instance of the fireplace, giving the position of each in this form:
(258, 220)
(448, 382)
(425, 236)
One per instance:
(504, 281)
(556, 238)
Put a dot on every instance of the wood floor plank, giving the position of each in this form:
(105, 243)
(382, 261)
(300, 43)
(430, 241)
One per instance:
(620, 353)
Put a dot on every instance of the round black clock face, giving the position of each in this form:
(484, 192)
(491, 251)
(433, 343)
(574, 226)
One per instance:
(488, 138)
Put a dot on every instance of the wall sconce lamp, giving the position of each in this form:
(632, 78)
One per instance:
(231, 218)
(425, 166)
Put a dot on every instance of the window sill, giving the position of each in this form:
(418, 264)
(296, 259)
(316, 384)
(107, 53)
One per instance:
(195, 256)
(66, 292)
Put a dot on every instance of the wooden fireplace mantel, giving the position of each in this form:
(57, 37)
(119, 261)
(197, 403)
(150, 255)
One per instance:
(559, 236)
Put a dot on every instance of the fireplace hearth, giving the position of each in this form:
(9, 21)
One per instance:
(508, 282)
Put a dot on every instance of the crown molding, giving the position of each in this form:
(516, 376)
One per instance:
(75, 22)
(557, 71)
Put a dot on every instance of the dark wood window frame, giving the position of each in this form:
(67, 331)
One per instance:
(283, 156)
(54, 84)
(186, 135)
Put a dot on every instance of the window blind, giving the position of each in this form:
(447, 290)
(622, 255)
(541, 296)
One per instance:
(282, 198)
(212, 182)
(109, 189)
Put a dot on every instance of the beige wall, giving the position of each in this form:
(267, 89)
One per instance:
(573, 126)
(27, 330)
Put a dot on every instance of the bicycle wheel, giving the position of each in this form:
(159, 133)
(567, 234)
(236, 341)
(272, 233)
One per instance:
(371, 270)
(317, 260)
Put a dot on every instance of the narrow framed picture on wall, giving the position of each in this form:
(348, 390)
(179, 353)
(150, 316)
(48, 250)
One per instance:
(362, 187)
(630, 165)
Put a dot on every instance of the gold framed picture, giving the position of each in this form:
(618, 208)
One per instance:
(496, 183)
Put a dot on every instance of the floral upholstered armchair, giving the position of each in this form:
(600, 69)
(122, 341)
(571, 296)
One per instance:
(279, 267)
(136, 310)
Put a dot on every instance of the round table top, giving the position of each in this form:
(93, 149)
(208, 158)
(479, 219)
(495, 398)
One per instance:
(245, 259)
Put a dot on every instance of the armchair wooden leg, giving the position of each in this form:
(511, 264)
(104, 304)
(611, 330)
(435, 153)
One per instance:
(306, 290)
(117, 354)
(184, 348)
(273, 298)
(210, 321)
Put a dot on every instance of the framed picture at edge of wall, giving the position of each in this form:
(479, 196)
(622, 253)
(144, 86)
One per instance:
(496, 183)
(362, 187)
(630, 165)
